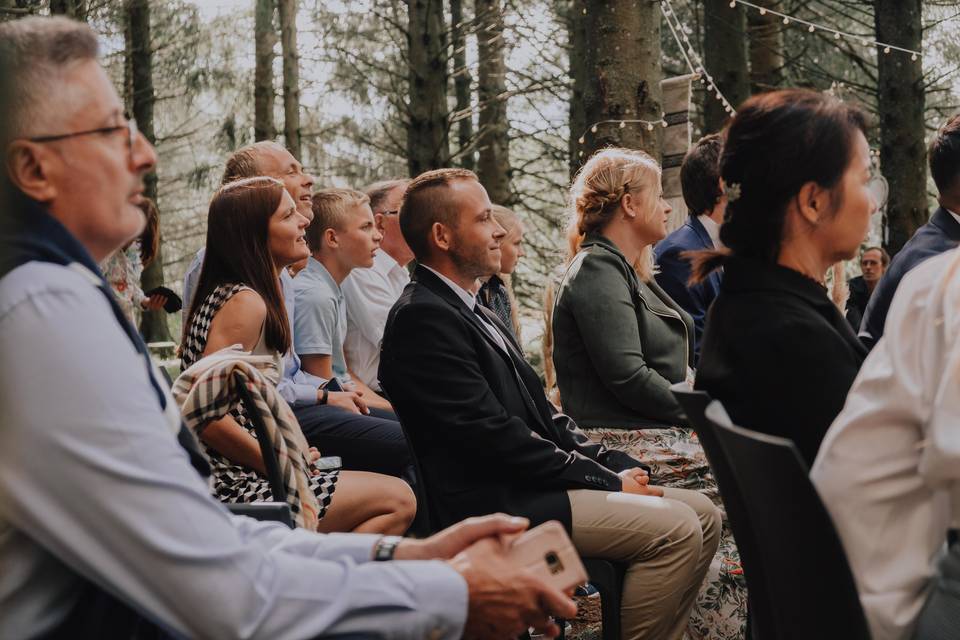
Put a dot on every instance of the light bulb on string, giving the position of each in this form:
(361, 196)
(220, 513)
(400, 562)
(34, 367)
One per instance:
(836, 35)
(649, 126)
(913, 57)
(733, 4)
(786, 20)
(763, 11)
(886, 49)
(582, 139)
(663, 123)
(593, 129)
(623, 125)
(811, 29)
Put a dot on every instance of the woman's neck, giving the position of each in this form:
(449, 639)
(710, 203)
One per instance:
(625, 239)
(804, 257)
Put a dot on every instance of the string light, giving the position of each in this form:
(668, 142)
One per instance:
(650, 125)
(812, 27)
(693, 60)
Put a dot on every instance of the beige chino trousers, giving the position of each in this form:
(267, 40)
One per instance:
(668, 544)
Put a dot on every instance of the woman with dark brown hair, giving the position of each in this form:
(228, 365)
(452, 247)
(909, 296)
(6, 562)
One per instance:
(776, 350)
(253, 232)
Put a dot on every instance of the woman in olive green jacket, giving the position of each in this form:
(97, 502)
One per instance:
(619, 340)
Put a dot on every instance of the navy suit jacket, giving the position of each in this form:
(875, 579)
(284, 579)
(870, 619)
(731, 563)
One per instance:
(675, 272)
(939, 235)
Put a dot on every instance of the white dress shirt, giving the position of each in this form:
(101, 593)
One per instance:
(93, 483)
(370, 294)
(889, 466)
(713, 229)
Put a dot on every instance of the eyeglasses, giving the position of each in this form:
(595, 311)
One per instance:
(394, 212)
(130, 126)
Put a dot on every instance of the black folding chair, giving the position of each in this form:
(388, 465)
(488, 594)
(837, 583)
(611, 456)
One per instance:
(694, 404)
(808, 582)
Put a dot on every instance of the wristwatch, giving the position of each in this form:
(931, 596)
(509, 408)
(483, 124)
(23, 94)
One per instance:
(385, 548)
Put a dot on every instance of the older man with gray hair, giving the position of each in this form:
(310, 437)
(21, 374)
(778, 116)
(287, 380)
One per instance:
(106, 526)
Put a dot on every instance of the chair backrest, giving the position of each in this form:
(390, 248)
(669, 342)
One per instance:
(694, 404)
(277, 487)
(808, 577)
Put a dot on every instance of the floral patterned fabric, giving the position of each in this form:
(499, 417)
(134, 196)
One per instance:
(676, 459)
(122, 270)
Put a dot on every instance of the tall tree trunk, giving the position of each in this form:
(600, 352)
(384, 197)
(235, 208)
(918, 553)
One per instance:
(427, 142)
(766, 47)
(725, 56)
(140, 50)
(900, 94)
(75, 9)
(623, 73)
(493, 168)
(265, 35)
(291, 76)
(577, 55)
(461, 83)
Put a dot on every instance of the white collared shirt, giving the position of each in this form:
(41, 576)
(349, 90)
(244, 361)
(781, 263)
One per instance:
(470, 299)
(370, 294)
(713, 229)
(889, 466)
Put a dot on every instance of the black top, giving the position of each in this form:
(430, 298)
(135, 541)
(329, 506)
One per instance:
(778, 353)
(484, 434)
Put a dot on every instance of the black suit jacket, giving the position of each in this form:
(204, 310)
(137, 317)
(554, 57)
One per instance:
(938, 236)
(485, 436)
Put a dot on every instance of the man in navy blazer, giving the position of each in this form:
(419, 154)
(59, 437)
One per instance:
(700, 180)
(939, 235)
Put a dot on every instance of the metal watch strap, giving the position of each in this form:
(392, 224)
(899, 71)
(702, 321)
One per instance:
(385, 548)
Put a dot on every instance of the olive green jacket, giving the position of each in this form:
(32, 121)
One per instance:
(619, 343)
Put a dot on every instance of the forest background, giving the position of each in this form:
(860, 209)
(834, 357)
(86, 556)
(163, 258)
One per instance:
(364, 90)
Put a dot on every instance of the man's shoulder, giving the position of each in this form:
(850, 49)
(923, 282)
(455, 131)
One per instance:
(35, 279)
(310, 288)
(684, 238)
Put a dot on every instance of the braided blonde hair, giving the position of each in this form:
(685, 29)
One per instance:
(600, 186)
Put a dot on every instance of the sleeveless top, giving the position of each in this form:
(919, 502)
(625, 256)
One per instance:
(233, 482)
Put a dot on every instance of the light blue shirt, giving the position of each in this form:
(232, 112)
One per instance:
(320, 316)
(93, 483)
(297, 387)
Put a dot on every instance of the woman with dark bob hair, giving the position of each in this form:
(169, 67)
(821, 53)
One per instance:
(776, 350)
(253, 232)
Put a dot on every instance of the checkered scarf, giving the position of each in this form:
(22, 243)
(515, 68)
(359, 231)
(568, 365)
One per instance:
(207, 391)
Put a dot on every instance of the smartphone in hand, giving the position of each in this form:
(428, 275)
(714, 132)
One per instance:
(547, 552)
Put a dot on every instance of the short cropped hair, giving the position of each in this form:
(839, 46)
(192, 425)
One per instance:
(884, 256)
(427, 201)
(700, 174)
(944, 155)
(378, 191)
(242, 163)
(330, 208)
(37, 54)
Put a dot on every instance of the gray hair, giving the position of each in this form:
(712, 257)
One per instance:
(37, 53)
(378, 191)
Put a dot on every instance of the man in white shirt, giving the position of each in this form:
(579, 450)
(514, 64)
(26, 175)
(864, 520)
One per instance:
(889, 466)
(370, 293)
(104, 523)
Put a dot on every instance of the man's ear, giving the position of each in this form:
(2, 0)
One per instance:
(813, 202)
(441, 236)
(378, 219)
(25, 166)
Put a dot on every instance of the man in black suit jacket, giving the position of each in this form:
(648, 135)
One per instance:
(939, 235)
(488, 440)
